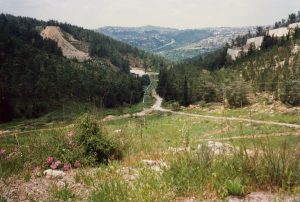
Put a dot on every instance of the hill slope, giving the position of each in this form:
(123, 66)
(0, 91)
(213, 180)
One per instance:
(64, 41)
(273, 70)
(35, 78)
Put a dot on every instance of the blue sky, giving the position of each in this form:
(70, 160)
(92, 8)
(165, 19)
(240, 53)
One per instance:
(167, 13)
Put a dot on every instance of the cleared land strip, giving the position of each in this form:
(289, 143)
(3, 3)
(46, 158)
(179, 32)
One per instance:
(251, 136)
(222, 118)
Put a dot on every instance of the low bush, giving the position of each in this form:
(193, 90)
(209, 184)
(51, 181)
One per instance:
(57, 149)
(90, 137)
(236, 94)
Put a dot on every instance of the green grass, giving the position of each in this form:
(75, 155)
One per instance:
(63, 194)
(66, 115)
(2, 199)
(198, 173)
(291, 117)
(272, 142)
(235, 187)
(140, 136)
(149, 100)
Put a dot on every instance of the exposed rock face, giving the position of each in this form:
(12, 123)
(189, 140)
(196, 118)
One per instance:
(257, 41)
(64, 41)
(234, 53)
(280, 32)
(294, 25)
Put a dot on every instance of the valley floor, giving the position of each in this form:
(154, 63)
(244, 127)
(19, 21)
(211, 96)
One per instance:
(164, 159)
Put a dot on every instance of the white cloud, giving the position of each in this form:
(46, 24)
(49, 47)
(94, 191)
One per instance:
(171, 13)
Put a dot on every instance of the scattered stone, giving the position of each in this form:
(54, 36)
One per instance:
(54, 173)
(155, 165)
(129, 174)
(218, 147)
(176, 150)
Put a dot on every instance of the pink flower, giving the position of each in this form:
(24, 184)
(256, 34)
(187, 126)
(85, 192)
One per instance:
(55, 165)
(76, 164)
(50, 160)
(71, 133)
(67, 167)
(2, 151)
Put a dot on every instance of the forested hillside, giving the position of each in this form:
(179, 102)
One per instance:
(35, 78)
(274, 69)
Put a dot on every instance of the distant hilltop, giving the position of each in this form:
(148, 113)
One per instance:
(176, 44)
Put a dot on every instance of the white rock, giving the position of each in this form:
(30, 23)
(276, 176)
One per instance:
(257, 41)
(280, 32)
(155, 165)
(54, 173)
(234, 53)
(218, 147)
(179, 149)
(294, 25)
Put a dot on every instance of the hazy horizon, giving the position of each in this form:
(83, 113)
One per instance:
(180, 14)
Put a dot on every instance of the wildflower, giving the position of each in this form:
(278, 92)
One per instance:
(67, 167)
(2, 151)
(76, 164)
(50, 160)
(55, 165)
(71, 133)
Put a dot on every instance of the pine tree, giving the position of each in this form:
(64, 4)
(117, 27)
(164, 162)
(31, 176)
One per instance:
(185, 92)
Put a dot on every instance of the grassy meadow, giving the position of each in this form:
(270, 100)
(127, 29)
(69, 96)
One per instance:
(188, 169)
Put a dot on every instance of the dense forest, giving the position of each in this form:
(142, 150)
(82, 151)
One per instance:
(213, 77)
(35, 78)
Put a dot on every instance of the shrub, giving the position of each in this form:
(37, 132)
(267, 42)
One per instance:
(90, 137)
(290, 93)
(236, 94)
(175, 106)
